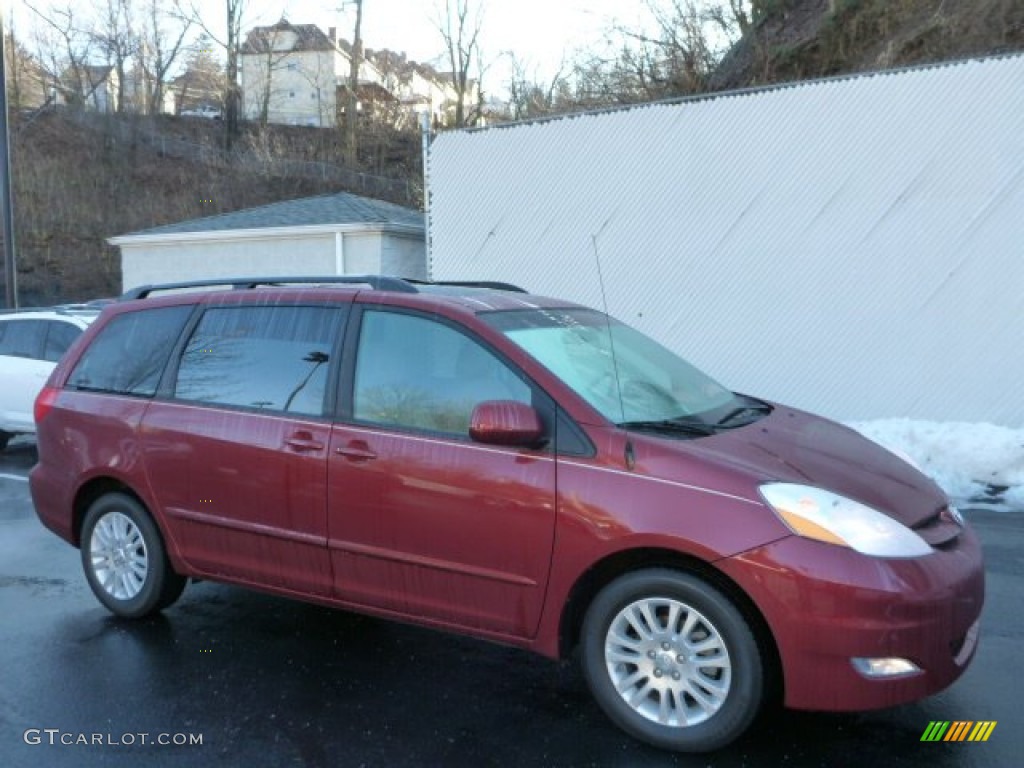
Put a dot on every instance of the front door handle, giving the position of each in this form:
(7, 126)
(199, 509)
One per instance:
(357, 450)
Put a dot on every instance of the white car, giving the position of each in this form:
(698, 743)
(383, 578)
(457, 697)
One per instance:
(31, 343)
(210, 113)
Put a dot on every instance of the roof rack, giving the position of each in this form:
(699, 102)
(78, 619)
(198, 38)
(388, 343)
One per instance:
(494, 285)
(58, 309)
(376, 282)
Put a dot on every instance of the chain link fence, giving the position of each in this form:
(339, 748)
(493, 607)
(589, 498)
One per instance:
(146, 132)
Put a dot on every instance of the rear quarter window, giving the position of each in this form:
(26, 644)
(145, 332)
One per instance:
(129, 354)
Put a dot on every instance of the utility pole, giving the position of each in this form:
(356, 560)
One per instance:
(425, 118)
(7, 211)
(352, 107)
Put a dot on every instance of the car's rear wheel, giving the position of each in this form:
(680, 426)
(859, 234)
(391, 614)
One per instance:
(672, 661)
(5, 437)
(125, 560)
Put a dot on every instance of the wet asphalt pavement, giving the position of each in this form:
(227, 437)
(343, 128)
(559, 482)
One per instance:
(267, 682)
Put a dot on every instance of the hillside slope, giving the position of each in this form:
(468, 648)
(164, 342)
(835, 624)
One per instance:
(79, 181)
(801, 39)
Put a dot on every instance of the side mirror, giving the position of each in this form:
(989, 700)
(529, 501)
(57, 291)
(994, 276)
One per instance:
(505, 422)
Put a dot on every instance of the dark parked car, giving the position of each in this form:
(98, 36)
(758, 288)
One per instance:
(517, 468)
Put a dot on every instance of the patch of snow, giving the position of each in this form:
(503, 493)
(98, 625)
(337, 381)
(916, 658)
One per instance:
(976, 464)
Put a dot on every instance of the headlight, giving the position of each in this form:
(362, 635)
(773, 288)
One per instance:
(825, 516)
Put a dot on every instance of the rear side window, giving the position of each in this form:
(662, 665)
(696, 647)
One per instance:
(22, 338)
(59, 337)
(129, 354)
(267, 358)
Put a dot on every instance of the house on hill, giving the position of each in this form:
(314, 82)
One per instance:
(93, 87)
(292, 73)
(297, 74)
(419, 88)
(338, 234)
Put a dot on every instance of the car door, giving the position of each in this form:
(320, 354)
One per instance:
(236, 453)
(422, 520)
(23, 372)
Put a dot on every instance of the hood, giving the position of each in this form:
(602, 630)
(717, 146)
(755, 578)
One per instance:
(796, 447)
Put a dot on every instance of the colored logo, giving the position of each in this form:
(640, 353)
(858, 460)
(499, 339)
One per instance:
(958, 730)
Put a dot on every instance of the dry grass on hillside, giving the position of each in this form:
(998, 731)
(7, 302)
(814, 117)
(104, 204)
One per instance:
(817, 38)
(76, 185)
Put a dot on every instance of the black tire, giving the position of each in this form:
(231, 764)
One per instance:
(5, 438)
(124, 558)
(692, 691)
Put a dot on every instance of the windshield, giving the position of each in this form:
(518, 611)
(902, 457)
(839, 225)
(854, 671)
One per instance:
(625, 375)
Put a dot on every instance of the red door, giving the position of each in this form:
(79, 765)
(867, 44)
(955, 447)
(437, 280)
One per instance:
(441, 528)
(243, 494)
(237, 458)
(422, 521)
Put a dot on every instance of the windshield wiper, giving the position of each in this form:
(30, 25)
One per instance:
(89, 388)
(671, 426)
(758, 408)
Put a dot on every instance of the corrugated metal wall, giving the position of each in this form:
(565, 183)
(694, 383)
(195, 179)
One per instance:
(854, 246)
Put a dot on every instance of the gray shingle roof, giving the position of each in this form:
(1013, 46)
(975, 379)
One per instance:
(339, 208)
(308, 37)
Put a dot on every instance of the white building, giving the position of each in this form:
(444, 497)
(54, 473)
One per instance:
(420, 88)
(292, 74)
(295, 74)
(852, 246)
(339, 234)
(91, 87)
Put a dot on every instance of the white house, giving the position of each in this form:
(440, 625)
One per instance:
(296, 74)
(291, 74)
(420, 88)
(92, 87)
(339, 234)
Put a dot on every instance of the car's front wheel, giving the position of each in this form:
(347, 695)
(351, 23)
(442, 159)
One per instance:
(671, 660)
(124, 558)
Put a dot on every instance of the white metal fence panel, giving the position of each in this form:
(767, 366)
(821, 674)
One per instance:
(853, 246)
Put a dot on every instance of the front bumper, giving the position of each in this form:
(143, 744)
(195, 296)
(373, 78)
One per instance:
(826, 605)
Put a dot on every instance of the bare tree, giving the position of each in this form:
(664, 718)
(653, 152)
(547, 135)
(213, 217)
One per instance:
(737, 16)
(531, 96)
(351, 148)
(13, 65)
(679, 56)
(115, 37)
(234, 11)
(203, 76)
(460, 25)
(63, 48)
(232, 97)
(23, 86)
(163, 40)
(673, 51)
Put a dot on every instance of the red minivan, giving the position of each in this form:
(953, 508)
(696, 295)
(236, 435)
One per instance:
(518, 468)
